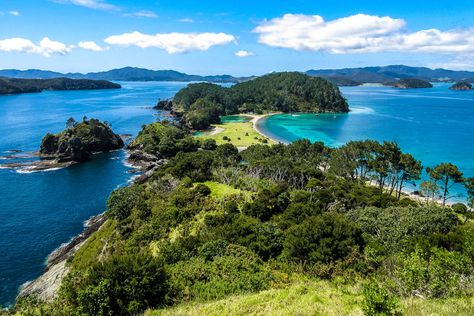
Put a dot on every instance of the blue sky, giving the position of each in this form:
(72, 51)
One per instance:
(235, 37)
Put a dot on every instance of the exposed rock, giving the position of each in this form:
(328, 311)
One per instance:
(461, 86)
(47, 285)
(79, 141)
(165, 105)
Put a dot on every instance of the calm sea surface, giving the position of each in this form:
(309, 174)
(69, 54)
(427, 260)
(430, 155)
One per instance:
(39, 211)
(435, 125)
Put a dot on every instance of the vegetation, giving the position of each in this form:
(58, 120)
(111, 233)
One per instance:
(272, 229)
(411, 83)
(13, 85)
(200, 104)
(462, 86)
(80, 140)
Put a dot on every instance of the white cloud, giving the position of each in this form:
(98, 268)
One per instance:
(186, 20)
(462, 62)
(90, 45)
(172, 42)
(91, 4)
(14, 13)
(359, 34)
(144, 14)
(45, 47)
(244, 53)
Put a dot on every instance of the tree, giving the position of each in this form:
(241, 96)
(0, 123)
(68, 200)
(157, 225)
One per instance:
(429, 189)
(446, 175)
(71, 123)
(469, 184)
(410, 171)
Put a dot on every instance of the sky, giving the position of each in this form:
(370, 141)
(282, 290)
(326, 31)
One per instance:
(237, 37)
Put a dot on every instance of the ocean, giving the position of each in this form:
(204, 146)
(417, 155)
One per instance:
(42, 210)
(434, 125)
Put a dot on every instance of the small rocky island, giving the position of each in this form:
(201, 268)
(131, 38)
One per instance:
(410, 83)
(461, 86)
(16, 86)
(79, 141)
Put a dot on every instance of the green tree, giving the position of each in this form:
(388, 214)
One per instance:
(446, 175)
(469, 184)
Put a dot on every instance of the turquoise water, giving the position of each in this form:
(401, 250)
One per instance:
(435, 125)
(42, 210)
(235, 119)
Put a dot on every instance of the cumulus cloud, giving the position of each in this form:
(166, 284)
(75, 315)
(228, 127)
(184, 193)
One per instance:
(144, 14)
(359, 33)
(45, 47)
(244, 53)
(91, 4)
(172, 42)
(90, 45)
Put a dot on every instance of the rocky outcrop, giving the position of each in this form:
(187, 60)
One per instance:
(79, 141)
(461, 86)
(47, 285)
(165, 105)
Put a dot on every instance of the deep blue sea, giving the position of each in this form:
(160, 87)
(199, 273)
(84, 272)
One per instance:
(40, 211)
(435, 125)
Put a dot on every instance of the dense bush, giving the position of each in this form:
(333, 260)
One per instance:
(322, 239)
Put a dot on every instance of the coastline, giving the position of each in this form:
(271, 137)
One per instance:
(48, 283)
(257, 118)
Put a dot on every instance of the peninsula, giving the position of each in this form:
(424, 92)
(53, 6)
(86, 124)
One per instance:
(411, 83)
(16, 86)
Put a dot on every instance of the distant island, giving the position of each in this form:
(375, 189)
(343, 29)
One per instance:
(79, 141)
(16, 86)
(461, 86)
(340, 77)
(121, 74)
(393, 73)
(411, 83)
(202, 104)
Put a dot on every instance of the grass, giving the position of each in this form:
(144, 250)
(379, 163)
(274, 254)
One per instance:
(220, 190)
(241, 134)
(90, 251)
(312, 297)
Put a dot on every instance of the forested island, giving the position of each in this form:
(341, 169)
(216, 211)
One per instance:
(292, 229)
(79, 141)
(202, 104)
(16, 86)
(410, 83)
(461, 86)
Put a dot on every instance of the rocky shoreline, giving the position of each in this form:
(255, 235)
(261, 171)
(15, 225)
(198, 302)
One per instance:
(47, 285)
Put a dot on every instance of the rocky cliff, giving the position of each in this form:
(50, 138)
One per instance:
(461, 86)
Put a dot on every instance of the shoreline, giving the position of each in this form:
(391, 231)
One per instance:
(258, 118)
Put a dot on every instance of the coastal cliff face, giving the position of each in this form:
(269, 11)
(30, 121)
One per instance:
(79, 141)
(461, 86)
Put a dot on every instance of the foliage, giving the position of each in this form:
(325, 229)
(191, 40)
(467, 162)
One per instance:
(445, 175)
(322, 239)
(284, 92)
(378, 301)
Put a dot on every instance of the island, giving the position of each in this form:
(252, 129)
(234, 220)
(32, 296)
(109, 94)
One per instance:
(202, 104)
(461, 86)
(16, 86)
(410, 83)
(79, 141)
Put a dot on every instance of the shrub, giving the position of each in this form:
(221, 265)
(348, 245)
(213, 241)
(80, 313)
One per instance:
(122, 201)
(208, 144)
(322, 239)
(378, 301)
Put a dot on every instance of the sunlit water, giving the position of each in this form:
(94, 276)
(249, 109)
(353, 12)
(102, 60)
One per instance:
(40, 211)
(435, 125)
